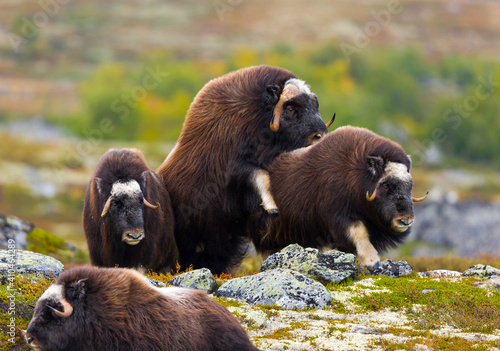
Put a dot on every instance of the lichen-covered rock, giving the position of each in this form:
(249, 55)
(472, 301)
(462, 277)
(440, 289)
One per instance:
(200, 279)
(282, 287)
(488, 284)
(440, 273)
(392, 269)
(13, 228)
(27, 262)
(481, 271)
(329, 267)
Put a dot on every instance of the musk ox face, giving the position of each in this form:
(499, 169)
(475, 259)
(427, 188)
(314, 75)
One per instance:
(296, 115)
(124, 208)
(392, 196)
(54, 324)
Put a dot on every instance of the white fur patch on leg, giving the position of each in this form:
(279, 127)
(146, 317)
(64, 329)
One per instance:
(366, 253)
(262, 184)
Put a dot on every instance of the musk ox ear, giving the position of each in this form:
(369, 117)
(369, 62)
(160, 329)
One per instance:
(76, 290)
(409, 158)
(375, 165)
(98, 184)
(273, 94)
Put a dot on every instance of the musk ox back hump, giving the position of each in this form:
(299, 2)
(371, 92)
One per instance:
(91, 308)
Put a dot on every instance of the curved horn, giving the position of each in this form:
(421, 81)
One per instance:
(373, 195)
(289, 92)
(418, 199)
(106, 207)
(331, 121)
(151, 206)
(67, 309)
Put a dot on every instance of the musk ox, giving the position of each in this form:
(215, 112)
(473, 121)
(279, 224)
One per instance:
(91, 308)
(127, 215)
(352, 190)
(215, 174)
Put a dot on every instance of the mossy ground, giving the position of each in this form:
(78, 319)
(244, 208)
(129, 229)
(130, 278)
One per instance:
(370, 313)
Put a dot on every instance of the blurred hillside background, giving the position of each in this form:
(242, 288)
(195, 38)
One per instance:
(80, 76)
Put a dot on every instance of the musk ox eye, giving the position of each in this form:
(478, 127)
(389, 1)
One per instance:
(290, 109)
(317, 136)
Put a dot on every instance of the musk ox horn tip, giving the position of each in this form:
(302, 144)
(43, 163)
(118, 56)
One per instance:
(150, 205)
(331, 121)
(418, 199)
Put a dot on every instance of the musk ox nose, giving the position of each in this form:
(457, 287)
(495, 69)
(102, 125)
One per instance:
(133, 237)
(406, 221)
(401, 224)
(30, 339)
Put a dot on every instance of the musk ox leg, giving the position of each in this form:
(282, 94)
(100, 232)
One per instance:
(262, 184)
(366, 253)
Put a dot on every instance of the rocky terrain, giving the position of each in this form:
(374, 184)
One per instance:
(306, 300)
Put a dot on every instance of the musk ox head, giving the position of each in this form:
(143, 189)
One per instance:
(124, 209)
(55, 323)
(296, 113)
(392, 195)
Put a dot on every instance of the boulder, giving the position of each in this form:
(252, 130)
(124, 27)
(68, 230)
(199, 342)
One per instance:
(13, 228)
(282, 287)
(481, 271)
(392, 269)
(27, 262)
(329, 267)
(200, 279)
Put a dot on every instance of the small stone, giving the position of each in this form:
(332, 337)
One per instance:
(440, 273)
(27, 262)
(329, 267)
(366, 331)
(427, 291)
(200, 279)
(157, 283)
(282, 287)
(392, 269)
(481, 271)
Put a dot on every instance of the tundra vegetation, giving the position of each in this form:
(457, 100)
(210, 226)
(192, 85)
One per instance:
(370, 312)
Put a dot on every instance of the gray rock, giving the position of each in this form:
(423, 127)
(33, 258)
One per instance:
(392, 269)
(13, 228)
(283, 287)
(488, 284)
(481, 271)
(461, 228)
(27, 262)
(200, 279)
(428, 291)
(440, 273)
(330, 267)
(157, 283)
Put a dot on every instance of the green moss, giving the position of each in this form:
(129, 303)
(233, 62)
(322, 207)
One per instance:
(453, 303)
(434, 342)
(43, 242)
(27, 290)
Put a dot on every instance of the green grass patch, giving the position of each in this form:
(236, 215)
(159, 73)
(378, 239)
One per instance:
(434, 342)
(453, 303)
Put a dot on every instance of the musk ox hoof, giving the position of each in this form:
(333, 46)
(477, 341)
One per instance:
(273, 211)
(375, 267)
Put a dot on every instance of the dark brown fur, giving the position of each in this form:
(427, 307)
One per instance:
(117, 309)
(321, 191)
(225, 137)
(158, 250)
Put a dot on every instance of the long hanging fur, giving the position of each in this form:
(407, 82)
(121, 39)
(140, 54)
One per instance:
(225, 137)
(321, 191)
(119, 310)
(158, 250)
